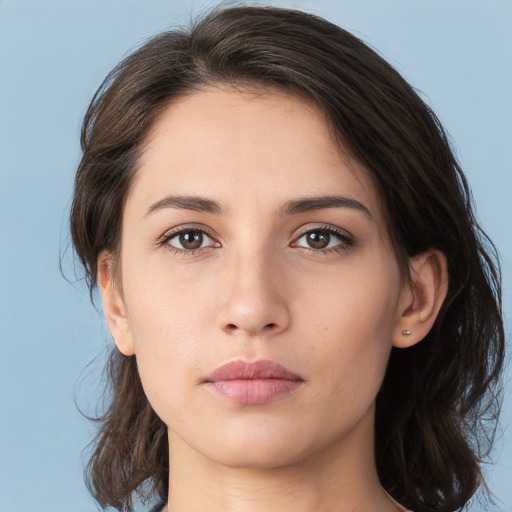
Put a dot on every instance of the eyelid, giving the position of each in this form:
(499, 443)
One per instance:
(312, 226)
(175, 231)
(346, 239)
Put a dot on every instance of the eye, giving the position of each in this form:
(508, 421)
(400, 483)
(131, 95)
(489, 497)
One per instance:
(188, 239)
(323, 239)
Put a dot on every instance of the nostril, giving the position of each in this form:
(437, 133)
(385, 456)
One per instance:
(233, 327)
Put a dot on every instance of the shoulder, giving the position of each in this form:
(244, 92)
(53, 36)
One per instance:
(159, 507)
(396, 504)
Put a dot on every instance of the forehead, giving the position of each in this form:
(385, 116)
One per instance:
(251, 149)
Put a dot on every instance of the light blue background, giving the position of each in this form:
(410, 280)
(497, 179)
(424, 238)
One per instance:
(53, 54)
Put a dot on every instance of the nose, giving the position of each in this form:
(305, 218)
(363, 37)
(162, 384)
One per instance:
(255, 297)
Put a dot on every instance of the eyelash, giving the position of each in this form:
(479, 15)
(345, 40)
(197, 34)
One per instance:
(173, 233)
(346, 241)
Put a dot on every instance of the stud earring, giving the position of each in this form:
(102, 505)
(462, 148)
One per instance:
(406, 332)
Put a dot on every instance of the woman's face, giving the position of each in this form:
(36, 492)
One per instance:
(249, 239)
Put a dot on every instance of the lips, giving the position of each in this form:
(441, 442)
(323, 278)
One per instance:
(252, 383)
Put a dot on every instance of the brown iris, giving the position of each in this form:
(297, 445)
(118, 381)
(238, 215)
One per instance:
(318, 239)
(192, 239)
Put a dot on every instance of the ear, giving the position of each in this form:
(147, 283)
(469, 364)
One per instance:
(113, 305)
(422, 298)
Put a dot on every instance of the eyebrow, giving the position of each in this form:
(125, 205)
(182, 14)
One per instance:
(201, 204)
(198, 204)
(321, 203)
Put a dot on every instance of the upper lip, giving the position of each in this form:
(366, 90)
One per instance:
(248, 370)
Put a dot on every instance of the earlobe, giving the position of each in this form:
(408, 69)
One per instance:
(422, 298)
(113, 305)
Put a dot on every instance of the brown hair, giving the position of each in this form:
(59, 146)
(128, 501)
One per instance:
(430, 432)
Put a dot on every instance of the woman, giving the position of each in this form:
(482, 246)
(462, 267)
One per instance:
(304, 311)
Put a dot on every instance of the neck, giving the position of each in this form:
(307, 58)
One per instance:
(342, 476)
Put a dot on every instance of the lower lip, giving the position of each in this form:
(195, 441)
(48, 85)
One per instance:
(254, 391)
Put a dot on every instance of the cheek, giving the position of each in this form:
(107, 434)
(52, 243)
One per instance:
(359, 301)
(351, 330)
(166, 306)
(167, 318)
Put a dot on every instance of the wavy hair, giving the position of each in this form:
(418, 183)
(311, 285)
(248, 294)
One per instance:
(436, 410)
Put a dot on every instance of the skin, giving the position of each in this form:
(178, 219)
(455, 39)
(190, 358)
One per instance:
(256, 289)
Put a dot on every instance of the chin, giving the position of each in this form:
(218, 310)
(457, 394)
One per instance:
(260, 458)
(263, 448)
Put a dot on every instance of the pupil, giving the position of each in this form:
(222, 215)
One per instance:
(191, 239)
(318, 239)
